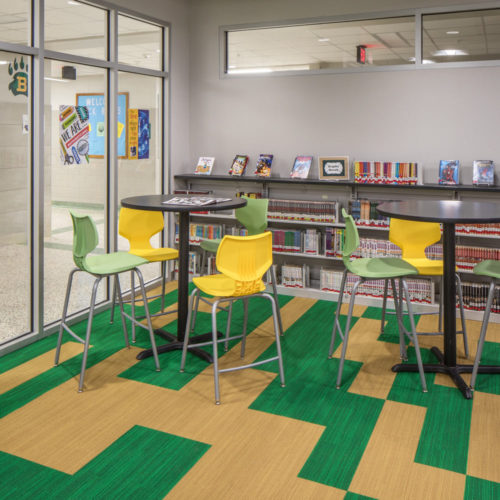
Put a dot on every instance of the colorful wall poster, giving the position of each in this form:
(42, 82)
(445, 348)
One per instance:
(74, 134)
(139, 133)
(144, 134)
(133, 134)
(96, 105)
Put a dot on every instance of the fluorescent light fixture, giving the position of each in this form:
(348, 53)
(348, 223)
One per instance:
(452, 32)
(424, 61)
(451, 52)
(55, 79)
(322, 40)
(247, 71)
(72, 2)
(3, 62)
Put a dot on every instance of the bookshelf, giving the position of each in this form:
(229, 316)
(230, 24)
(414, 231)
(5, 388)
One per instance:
(307, 232)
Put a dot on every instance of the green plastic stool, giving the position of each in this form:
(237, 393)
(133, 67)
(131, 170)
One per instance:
(491, 269)
(85, 240)
(386, 268)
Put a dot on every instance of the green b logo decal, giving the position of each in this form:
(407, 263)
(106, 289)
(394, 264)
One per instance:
(19, 83)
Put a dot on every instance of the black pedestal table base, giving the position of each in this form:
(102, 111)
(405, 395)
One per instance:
(453, 371)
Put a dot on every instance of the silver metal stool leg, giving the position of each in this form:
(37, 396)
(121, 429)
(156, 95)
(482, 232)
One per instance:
(482, 336)
(346, 332)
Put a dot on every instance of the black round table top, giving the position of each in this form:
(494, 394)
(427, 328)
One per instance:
(445, 211)
(157, 202)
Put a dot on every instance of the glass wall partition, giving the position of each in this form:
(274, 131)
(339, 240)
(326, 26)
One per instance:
(15, 206)
(139, 166)
(75, 177)
(461, 36)
(312, 47)
(54, 130)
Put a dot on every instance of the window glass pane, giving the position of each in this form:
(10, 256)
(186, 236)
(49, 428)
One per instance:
(140, 172)
(461, 36)
(75, 178)
(75, 28)
(15, 230)
(139, 43)
(15, 24)
(322, 46)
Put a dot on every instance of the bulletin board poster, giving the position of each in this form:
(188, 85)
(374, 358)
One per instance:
(139, 134)
(73, 134)
(96, 105)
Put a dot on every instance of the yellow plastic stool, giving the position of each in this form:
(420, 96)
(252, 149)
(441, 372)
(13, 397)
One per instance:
(413, 237)
(242, 262)
(138, 227)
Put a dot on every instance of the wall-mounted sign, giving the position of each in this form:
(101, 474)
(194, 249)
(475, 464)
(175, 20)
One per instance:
(361, 54)
(96, 105)
(19, 73)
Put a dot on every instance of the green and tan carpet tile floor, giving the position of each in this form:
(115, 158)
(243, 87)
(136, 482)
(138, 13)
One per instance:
(137, 433)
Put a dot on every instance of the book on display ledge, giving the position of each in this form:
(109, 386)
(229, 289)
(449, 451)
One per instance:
(483, 173)
(204, 165)
(448, 172)
(301, 166)
(263, 167)
(239, 165)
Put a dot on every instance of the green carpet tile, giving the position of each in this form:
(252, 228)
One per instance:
(444, 440)
(143, 463)
(354, 496)
(479, 489)
(310, 395)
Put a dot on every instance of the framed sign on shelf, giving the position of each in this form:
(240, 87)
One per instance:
(96, 105)
(334, 168)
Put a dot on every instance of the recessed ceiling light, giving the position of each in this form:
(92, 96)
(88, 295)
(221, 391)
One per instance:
(452, 32)
(323, 40)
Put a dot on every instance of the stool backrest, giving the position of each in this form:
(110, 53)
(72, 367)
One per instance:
(351, 237)
(245, 259)
(253, 215)
(85, 238)
(413, 237)
(139, 226)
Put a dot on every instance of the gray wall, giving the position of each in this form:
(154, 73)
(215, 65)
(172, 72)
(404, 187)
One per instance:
(423, 115)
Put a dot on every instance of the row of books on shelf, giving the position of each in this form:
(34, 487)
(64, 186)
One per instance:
(475, 296)
(385, 172)
(312, 211)
(329, 243)
(421, 290)
(364, 212)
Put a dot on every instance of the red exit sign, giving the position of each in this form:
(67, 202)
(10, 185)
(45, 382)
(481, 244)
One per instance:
(361, 54)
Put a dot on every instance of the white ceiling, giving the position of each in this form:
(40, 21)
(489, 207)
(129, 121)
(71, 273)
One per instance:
(80, 29)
